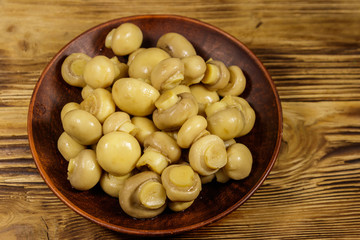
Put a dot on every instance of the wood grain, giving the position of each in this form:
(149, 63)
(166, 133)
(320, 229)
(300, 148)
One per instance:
(312, 52)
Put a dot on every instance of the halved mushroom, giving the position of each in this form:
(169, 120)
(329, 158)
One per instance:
(144, 128)
(72, 69)
(217, 75)
(239, 162)
(181, 183)
(160, 151)
(207, 155)
(236, 83)
(173, 110)
(68, 147)
(203, 96)
(118, 152)
(99, 103)
(143, 195)
(176, 45)
(134, 96)
(112, 184)
(192, 129)
(84, 171)
(119, 121)
(167, 74)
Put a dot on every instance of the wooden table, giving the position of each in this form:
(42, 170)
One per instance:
(310, 48)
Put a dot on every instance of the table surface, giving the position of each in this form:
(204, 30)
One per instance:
(310, 48)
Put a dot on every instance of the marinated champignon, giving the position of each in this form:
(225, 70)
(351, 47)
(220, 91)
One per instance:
(239, 162)
(121, 69)
(236, 84)
(83, 171)
(179, 206)
(194, 69)
(144, 128)
(72, 69)
(99, 72)
(68, 147)
(133, 54)
(99, 103)
(176, 45)
(67, 108)
(203, 96)
(82, 126)
(181, 183)
(124, 39)
(160, 151)
(144, 62)
(207, 155)
(192, 129)
(111, 184)
(217, 75)
(244, 107)
(143, 195)
(134, 96)
(221, 176)
(173, 110)
(118, 152)
(119, 121)
(167, 74)
(85, 91)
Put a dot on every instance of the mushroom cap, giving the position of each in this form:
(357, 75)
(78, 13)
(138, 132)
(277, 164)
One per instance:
(164, 144)
(129, 196)
(174, 117)
(239, 162)
(236, 83)
(190, 130)
(223, 77)
(176, 45)
(167, 74)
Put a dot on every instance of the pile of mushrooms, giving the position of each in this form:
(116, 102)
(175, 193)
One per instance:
(152, 130)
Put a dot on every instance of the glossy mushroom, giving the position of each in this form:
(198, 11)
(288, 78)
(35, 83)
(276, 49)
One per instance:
(192, 129)
(144, 128)
(237, 82)
(160, 150)
(67, 108)
(203, 96)
(176, 45)
(112, 184)
(119, 121)
(99, 72)
(217, 75)
(194, 69)
(239, 162)
(167, 74)
(68, 147)
(173, 110)
(72, 69)
(134, 96)
(143, 195)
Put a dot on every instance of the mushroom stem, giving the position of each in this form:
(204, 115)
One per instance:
(153, 159)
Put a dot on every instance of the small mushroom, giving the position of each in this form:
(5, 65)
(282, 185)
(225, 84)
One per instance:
(121, 69)
(171, 116)
(176, 45)
(118, 152)
(217, 75)
(144, 128)
(99, 103)
(99, 72)
(144, 62)
(236, 84)
(207, 155)
(203, 96)
(124, 39)
(112, 184)
(143, 195)
(192, 129)
(134, 96)
(119, 121)
(181, 183)
(167, 74)
(160, 151)
(67, 108)
(72, 69)
(194, 69)
(68, 147)
(82, 126)
(239, 162)
(83, 170)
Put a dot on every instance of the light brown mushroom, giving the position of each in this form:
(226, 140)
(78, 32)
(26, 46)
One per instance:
(68, 147)
(239, 162)
(143, 195)
(119, 121)
(207, 155)
(176, 45)
(167, 74)
(160, 150)
(84, 171)
(203, 96)
(99, 72)
(192, 129)
(144, 128)
(236, 84)
(217, 75)
(175, 114)
(112, 184)
(181, 183)
(72, 69)
(194, 69)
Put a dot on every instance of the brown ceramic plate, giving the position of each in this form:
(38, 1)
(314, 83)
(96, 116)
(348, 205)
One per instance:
(216, 200)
